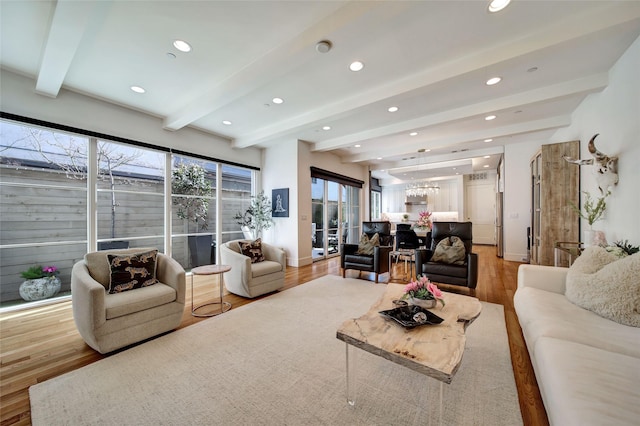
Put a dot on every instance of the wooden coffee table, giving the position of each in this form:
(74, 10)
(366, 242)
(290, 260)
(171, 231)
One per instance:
(433, 350)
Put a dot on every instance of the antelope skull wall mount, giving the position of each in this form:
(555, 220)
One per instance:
(607, 173)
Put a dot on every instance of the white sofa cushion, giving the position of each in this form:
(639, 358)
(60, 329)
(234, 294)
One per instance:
(602, 283)
(545, 314)
(582, 385)
(126, 303)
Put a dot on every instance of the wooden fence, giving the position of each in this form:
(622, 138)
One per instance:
(54, 218)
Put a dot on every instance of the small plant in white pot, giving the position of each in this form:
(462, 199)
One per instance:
(592, 211)
(40, 283)
(257, 217)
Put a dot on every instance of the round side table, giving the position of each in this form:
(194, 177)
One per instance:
(211, 270)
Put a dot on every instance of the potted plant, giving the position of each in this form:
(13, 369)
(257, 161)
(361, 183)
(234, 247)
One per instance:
(593, 211)
(423, 293)
(257, 217)
(190, 179)
(40, 283)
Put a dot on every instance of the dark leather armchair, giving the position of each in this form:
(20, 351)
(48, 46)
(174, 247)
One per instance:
(377, 263)
(463, 275)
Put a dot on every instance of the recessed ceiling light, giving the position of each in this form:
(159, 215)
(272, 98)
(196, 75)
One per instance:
(226, 122)
(498, 5)
(357, 146)
(487, 156)
(493, 80)
(137, 89)
(532, 69)
(413, 134)
(379, 158)
(326, 128)
(427, 150)
(454, 168)
(392, 109)
(490, 117)
(488, 140)
(486, 165)
(277, 100)
(182, 46)
(356, 66)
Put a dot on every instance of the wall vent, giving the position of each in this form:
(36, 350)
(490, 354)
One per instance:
(478, 176)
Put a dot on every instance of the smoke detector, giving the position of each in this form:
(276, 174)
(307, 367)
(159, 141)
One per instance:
(323, 46)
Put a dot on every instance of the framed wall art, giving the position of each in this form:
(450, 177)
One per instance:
(280, 202)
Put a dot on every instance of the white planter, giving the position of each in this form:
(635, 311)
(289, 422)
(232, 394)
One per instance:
(587, 238)
(426, 304)
(38, 289)
(594, 238)
(249, 234)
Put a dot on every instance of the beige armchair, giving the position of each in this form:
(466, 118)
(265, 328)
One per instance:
(253, 279)
(111, 321)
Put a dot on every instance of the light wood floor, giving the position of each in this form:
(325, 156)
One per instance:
(41, 343)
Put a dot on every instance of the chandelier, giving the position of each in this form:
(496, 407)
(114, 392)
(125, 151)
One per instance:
(420, 189)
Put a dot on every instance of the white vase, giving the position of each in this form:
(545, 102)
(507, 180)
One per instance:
(38, 289)
(591, 237)
(426, 304)
(587, 238)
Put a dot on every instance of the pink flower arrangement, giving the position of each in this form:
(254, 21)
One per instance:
(423, 289)
(50, 271)
(424, 220)
(36, 272)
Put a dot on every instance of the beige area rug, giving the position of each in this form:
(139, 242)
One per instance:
(277, 362)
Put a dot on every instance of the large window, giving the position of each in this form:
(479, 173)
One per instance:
(130, 189)
(235, 198)
(43, 207)
(63, 194)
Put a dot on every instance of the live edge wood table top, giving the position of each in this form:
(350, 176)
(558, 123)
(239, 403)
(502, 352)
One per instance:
(433, 350)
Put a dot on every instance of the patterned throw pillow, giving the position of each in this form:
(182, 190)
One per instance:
(253, 250)
(449, 250)
(132, 271)
(366, 245)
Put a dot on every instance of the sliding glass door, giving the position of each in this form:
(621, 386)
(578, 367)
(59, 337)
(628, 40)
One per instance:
(335, 212)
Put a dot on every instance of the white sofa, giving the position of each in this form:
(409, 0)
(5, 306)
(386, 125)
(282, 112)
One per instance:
(587, 367)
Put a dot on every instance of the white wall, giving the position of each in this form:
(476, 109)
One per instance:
(517, 198)
(614, 113)
(76, 110)
(280, 170)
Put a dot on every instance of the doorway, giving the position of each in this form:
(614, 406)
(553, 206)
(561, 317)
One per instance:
(480, 207)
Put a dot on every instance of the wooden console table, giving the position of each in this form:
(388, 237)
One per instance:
(570, 249)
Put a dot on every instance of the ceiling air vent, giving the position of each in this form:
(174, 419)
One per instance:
(478, 176)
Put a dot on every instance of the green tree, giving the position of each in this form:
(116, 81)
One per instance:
(190, 181)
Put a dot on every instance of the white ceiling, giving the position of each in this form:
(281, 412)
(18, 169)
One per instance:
(429, 58)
